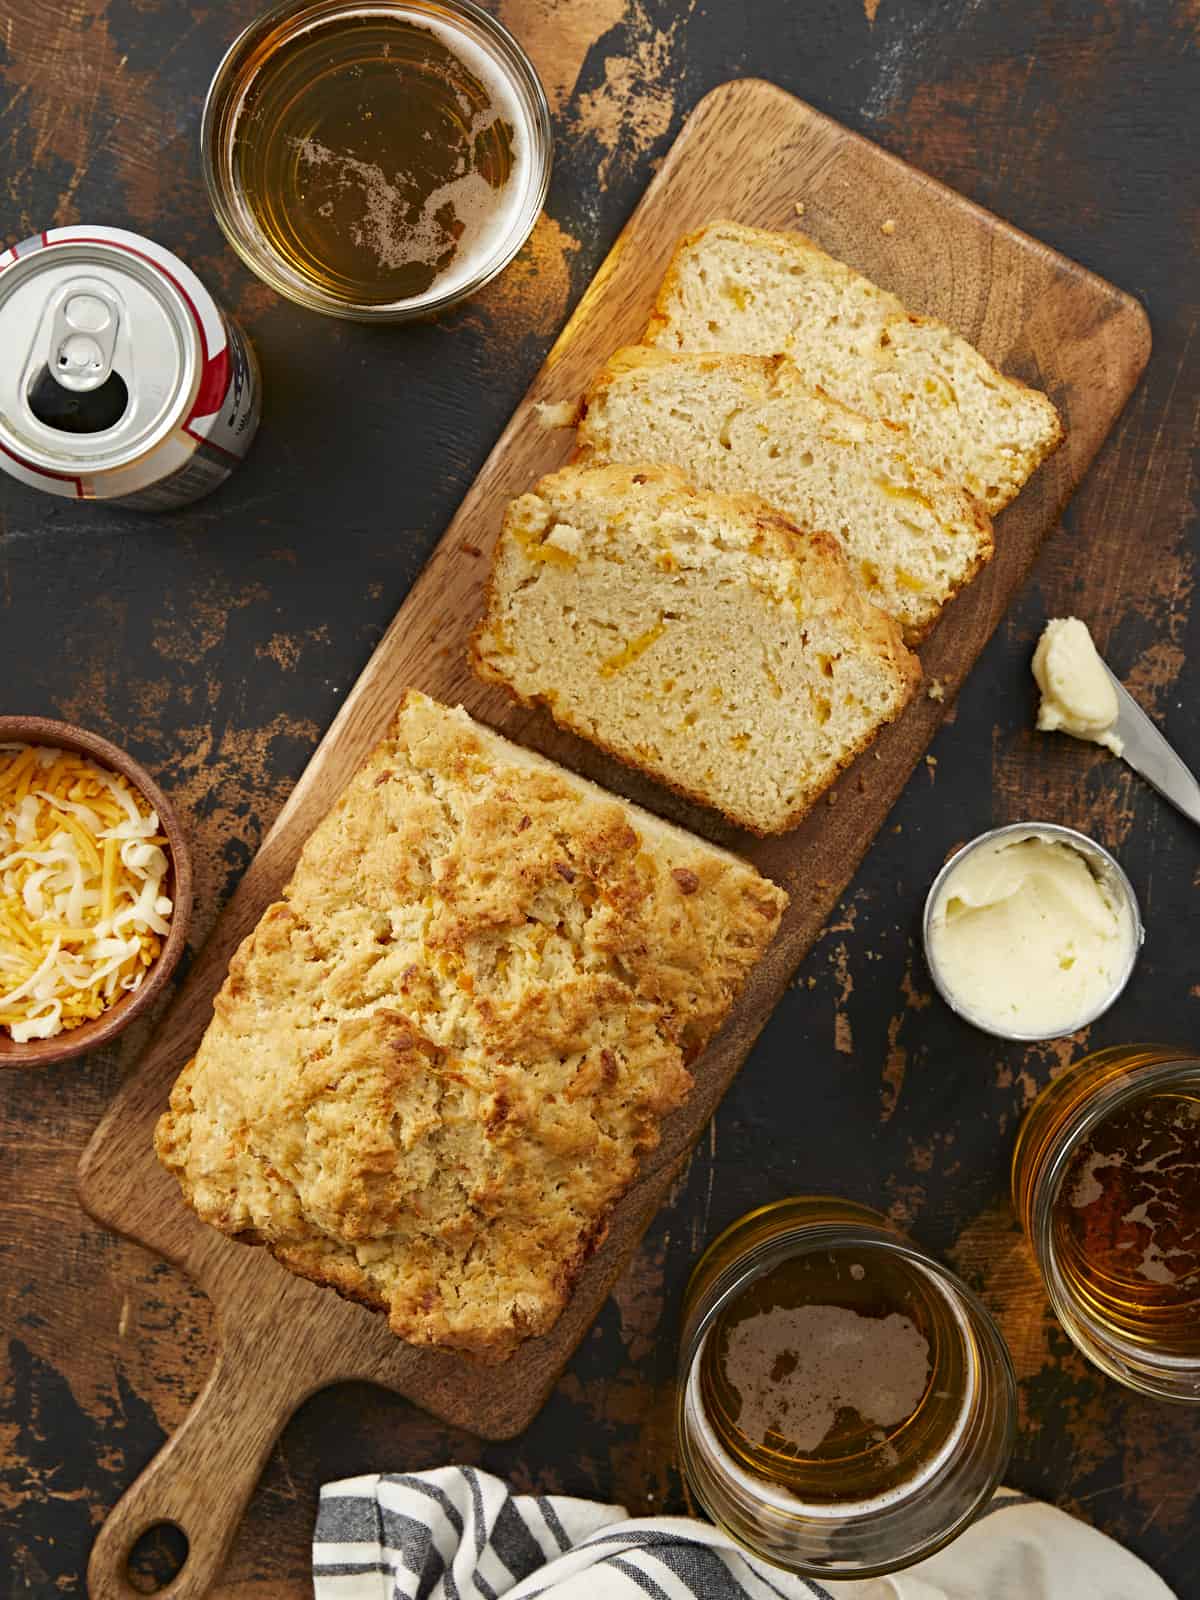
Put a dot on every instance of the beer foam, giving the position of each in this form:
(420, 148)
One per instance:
(796, 1367)
(771, 1493)
(1148, 1173)
(486, 216)
(388, 230)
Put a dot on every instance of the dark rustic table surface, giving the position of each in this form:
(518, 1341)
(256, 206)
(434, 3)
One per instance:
(217, 642)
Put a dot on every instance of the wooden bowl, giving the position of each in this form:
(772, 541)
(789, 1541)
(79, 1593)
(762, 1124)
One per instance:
(178, 884)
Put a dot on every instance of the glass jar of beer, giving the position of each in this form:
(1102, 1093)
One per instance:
(845, 1404)
(1106, 1183)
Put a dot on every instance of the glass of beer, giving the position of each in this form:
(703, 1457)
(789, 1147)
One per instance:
(378, 161)
(1106, 1183)
(845, 1404)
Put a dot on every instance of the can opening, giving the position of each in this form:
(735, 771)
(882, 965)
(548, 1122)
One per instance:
(78, 411)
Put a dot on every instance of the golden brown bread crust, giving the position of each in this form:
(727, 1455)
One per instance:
(435, 1063)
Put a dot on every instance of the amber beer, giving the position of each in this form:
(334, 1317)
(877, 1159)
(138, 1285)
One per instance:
(845, 1404)
(1106, 1182)
(837, 1376)
(376, 160)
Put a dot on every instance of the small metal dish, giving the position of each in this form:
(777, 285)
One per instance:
(1101, 862)
(178, 884)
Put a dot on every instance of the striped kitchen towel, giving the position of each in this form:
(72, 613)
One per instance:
(459, 1534)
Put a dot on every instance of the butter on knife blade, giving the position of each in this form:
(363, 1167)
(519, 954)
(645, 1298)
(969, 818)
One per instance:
(1081, 695)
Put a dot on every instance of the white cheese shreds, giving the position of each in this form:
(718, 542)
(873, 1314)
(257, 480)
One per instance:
(82, 872)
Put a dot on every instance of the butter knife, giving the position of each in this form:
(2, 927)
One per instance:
(1148, 752)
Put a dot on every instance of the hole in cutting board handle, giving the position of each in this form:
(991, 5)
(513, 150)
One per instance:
(156, 1557)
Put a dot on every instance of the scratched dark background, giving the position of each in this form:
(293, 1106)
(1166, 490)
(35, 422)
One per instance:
(216, 643)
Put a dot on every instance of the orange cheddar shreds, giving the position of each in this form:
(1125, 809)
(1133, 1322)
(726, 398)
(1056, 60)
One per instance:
(83, 910)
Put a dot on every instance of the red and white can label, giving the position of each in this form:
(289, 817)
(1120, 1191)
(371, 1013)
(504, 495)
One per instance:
(218, 436)
(205, 444)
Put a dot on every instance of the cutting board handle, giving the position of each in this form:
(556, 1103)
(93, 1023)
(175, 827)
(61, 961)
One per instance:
(202, 1478)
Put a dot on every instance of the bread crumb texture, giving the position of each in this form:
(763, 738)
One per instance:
(746, 290)
(754, 423)
(437, 1060)
(556, 413)
(701, 637)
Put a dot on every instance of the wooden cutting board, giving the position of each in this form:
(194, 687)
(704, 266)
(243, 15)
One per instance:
(750, 152)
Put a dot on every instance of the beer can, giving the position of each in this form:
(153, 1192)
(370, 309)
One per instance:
(120, 377)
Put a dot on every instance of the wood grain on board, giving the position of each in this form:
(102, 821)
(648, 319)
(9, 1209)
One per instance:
(751, 152)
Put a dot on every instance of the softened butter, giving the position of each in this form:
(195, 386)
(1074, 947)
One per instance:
(1028, 937)
(1077, 693)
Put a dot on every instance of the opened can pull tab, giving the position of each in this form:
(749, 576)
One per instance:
(134, 387)
(83, 335)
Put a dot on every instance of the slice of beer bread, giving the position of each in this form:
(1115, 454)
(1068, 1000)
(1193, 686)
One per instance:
(751, 423)
(749, 291)
(703, 638)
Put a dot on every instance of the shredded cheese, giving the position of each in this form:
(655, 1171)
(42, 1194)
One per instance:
(82, 908)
